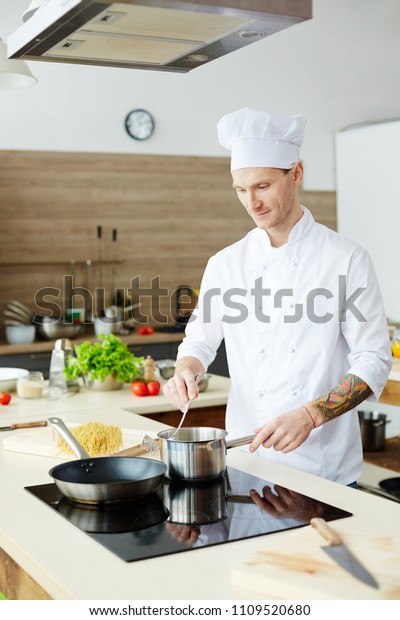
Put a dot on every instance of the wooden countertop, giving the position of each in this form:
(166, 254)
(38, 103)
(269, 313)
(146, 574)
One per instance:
(388, 458)
(132, 339)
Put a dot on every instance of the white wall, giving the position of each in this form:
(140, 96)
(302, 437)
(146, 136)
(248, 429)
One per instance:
(337, 69)
(368, 200)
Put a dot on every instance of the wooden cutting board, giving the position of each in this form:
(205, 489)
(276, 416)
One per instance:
(43, 441)
(293, 566)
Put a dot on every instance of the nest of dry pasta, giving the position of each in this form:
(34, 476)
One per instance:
(96, 438)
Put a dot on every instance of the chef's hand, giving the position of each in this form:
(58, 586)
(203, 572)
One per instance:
(287, 503)
(183, 533)
(284, 433)
(182, 386)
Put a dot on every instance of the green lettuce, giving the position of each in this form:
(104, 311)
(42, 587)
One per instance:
(100, 359)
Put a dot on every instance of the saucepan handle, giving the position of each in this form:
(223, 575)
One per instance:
(240, 441)
(66, 434)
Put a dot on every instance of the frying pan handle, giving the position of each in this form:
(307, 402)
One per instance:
(240, 441)
(66, 434)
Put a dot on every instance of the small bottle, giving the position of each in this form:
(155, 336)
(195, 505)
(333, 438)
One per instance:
(149, 368)
(57, 378)
(72, 384)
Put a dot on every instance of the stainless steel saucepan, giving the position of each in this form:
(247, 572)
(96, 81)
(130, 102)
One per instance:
(199, 502)
(198, 452)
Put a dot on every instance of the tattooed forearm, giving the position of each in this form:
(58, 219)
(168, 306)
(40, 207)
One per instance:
(350, 392)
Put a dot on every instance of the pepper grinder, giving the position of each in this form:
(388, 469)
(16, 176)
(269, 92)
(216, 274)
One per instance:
(149, 369)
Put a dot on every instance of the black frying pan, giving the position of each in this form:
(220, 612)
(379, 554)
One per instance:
(106, 478)
(391, 485)
(115, 517)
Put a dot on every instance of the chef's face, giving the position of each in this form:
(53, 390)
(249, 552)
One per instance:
(269, 194)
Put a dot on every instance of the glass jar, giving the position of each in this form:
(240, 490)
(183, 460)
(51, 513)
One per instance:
(31, 386)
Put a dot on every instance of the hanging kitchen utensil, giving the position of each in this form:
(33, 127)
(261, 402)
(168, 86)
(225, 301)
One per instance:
(68, 301)
(89, 297)
(103, 479)
(182, 311)
(100, 298)
(113, 263)
(197, 453)
(338, 552)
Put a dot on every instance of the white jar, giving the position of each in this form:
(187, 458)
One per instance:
(31, 386)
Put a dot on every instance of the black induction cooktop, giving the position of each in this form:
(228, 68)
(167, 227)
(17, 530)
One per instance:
(185, 516)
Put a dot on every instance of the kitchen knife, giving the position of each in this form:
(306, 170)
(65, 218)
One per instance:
(338, 552)
(14, 427)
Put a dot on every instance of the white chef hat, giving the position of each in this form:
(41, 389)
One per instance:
(259, 139)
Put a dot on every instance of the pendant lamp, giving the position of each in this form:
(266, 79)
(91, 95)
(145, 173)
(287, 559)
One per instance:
(13, 73)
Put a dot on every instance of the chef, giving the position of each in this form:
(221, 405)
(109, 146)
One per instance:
(299, 308)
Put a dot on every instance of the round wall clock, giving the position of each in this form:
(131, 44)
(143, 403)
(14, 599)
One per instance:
(139, 124)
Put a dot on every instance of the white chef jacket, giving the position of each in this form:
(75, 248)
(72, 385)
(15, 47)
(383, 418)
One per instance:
(321, 316)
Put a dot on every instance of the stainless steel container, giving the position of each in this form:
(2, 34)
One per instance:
(195, 503)
(52, 329)
(372, 425)
(196, 453)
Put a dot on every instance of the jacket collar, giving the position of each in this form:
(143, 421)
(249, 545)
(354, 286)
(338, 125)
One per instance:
(299, 230)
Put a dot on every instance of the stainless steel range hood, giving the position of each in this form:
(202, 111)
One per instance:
(150, 34)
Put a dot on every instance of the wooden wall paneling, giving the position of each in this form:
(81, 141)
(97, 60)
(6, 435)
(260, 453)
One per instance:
(171, 213)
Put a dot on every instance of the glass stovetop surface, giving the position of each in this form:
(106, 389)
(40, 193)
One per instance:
(186, 516)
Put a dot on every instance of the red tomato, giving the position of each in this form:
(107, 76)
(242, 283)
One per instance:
(145, 331)
(139, 388)
(5, 398)
(153, 388)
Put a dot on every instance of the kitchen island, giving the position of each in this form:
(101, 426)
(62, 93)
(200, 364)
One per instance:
(43, 555)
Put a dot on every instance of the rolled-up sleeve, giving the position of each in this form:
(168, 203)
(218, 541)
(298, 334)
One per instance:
(365, 330)
(204, 331)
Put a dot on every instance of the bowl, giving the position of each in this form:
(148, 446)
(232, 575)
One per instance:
(166, 368)
(52, 329)
(203, 385)
(20, 334)
(9, 378)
